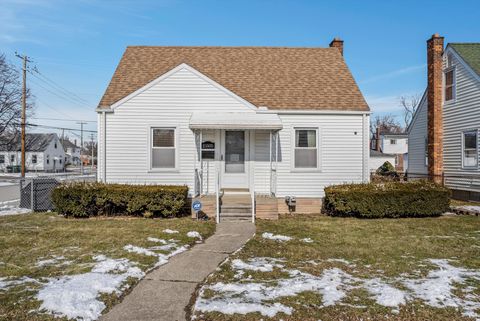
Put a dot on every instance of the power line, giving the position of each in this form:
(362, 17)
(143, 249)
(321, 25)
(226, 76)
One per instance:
(63, 119)
(64, 128)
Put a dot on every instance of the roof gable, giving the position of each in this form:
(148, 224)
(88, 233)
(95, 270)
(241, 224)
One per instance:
(277, 78)
(33, 143)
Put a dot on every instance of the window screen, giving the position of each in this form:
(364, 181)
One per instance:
(306, 148)
(163, 148)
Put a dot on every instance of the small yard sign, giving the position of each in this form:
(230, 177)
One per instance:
(197, 205)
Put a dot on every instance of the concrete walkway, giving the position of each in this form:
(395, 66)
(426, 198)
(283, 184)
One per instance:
(165, 293)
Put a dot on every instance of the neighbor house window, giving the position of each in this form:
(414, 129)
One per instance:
(48, 159)
(470, 149)
(12, 158)
(306, 148)
(163, 148)
(2, 159)
(393, 141)
(34, 159)
(450, 84)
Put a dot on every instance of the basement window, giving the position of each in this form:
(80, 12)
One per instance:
(306, 148)
(449, 84)
(163, 148)
(470, 149)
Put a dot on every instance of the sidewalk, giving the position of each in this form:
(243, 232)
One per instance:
(164, 294)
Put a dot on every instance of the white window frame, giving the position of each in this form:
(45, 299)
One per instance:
(2, 159)
(454, 84)
(317, 135)
(34, 156)
(150, 149)
(12, 158)
(463, 148)
(393, 141)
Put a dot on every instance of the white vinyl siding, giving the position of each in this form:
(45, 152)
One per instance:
(342, 140)
(463, 114)
(168, 103)
(417, 141)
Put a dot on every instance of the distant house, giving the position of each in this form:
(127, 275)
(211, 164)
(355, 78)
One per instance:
(444, 131)
(44, 152)
(377, 159)
(395, 144)
(270, 121)
(72, 152)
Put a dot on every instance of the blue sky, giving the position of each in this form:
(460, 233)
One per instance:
(78, 44)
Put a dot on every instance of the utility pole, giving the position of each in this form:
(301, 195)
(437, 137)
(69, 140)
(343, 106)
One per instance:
(81, 145)
(24, 108)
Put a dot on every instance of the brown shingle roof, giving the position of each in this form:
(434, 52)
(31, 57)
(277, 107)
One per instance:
(275, 77)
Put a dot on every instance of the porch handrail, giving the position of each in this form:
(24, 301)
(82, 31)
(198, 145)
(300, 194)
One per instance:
(217, 193)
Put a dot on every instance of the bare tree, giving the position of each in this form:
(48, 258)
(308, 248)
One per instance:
(11, 101)
(386, 123)
(409, 104)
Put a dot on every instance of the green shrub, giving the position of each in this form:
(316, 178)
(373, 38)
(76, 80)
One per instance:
(92, 199)
(392, 199)
(387, 169)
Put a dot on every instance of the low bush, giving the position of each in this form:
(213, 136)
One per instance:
(92, 199)
(391, 199)
(387, 170)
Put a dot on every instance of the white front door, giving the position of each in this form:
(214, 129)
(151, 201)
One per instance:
(234, 158)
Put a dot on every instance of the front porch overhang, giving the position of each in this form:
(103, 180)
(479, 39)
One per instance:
(247, 120)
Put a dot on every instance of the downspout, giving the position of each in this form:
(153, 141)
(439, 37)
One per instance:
(104, 112)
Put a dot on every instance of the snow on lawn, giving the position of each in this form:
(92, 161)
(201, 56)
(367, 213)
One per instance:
(278, 237)
(307, 240)
(10, 208)
(6, 283)
(53, 261)
(194, 234)
(76, 296)
(438, 289)
(169, 231)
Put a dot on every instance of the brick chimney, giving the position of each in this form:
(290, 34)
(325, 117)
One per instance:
(337, 43)
(435, 100)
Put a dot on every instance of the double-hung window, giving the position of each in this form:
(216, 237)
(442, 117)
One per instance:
(449, 84)
(34, 159)
(470, 149)
(306, 148)
(163, 148)
(2, 159)
(12, 158)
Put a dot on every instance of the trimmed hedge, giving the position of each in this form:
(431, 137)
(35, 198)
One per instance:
(391, 199)
(93, 199)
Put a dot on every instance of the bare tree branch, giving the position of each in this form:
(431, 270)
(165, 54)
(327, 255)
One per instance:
(409, 104)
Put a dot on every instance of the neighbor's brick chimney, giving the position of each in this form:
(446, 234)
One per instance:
(435, 100)
(377, 139)
(337, 43)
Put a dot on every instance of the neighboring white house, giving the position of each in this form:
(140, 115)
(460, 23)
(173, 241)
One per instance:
(448, 116)
(257, 120)
(392, 144)
(72, 152)
(44, 152)
(377, 159)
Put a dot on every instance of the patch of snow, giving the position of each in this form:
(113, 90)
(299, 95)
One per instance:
(10, 208)
(436, 288)
(6, 283)
(385, 294)
(156, 240)
(277, 237)
(260, 264)
(473, 208)
(194, 234)
(339, 261)
(76, 296)
(55, 260)
(307, 240)
(7, 184)
(139, 250)
(169, 231)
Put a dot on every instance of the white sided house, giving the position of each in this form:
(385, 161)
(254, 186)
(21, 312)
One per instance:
(43, 152)
(242, 127)
(444, 132)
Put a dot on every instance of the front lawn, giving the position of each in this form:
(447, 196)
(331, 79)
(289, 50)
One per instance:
(328, 268)
(50, 265)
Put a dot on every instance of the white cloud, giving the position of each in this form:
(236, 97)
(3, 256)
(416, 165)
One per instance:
(394, 74)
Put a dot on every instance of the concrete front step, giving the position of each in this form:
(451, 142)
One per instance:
(235, 218)
(236, 209)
